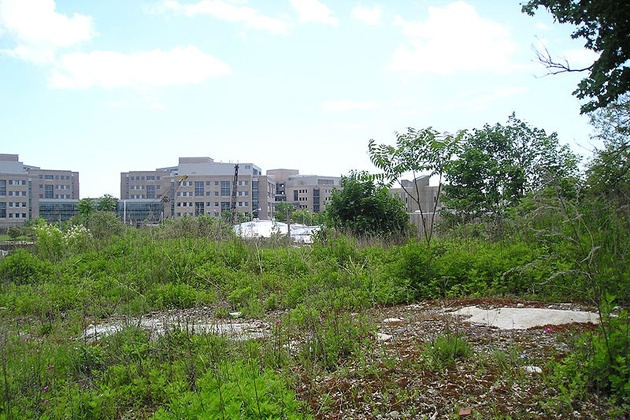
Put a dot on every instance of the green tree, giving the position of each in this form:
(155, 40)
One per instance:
(604, 25)
(365, 208)
(416, 152)
(86, 207)
(498, 165)
(284, 211)
(107, 203)
(303, 216)
(608, 173)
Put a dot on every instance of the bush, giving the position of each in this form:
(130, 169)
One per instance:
(236, 390)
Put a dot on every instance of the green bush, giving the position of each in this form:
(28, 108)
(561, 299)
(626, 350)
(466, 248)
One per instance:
(238, 390)
(600, 361)
(22, 267)
(446, 349)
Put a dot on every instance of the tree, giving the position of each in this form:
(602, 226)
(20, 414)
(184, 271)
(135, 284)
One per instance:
(365, 208)
(107, 203)
(284, 211)
(498, 165)
(609, 171)
(604, 24)
(86, 206)
(416, 152)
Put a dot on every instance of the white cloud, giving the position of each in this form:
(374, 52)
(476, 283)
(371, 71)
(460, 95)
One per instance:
(371, 16)
(578, 58)
(314, 11)
(110, 69)
(451, 40)
(39, 31)
(226, 11)
(336, 106)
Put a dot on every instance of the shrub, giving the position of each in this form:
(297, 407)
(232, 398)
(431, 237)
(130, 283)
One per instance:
(236, 390)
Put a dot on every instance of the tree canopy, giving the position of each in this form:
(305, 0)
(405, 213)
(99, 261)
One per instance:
(364, 207)
(416, 152)
(605, 25)
(496, 166)
(609, 170)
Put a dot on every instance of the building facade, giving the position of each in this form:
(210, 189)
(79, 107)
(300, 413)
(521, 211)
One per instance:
(199, 185)
(307, 192)
(27, 192)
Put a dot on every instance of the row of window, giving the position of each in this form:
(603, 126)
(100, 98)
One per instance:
(148, 187)
(210, 204)
(57, 187)
(17, 194)
(68, 177)
(145, 178)
(18, 204)
(60, 196)
(16, 215)
(210, 193)
(17, 182)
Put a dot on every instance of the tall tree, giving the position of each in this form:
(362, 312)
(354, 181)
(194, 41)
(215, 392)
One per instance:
(416, 152)
(107, 203)
(605, 25)
(609, 171)
(363, 207)
(86, 206)
(498, 165)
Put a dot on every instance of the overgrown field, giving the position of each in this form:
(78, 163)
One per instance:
(319, 302)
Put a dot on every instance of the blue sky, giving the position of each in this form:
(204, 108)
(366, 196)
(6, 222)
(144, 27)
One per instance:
(103, 87)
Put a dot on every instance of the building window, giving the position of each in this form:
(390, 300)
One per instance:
(225, 205)
(199, 208)
(199, 189)
(3, 210)
(225, 188)
(3, 187)
(48, 191)
(150, 191)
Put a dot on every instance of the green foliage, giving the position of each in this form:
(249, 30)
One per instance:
(498, 165)
(446, 349)
(86, 207)
(284, 211)
(600, 362)
(22, 267)
(364, 208)
(416, 152)
(604, 26)
(14, 233)
(235, 390)
(107, 203)
(203, 226)
(609, 171)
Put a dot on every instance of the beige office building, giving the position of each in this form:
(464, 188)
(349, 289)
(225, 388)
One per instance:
(199, 185)
(27, 192)
(307, 192)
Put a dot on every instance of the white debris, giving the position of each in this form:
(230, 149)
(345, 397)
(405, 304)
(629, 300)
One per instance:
(524, 318)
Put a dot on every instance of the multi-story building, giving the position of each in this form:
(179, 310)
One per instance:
(308, 192)
(27, 192)
(418, 191)
(199, 185)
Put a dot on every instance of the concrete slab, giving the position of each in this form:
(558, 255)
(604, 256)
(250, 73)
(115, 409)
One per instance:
(523, 318)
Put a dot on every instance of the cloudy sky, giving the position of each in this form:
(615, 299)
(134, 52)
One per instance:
(102, 87)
